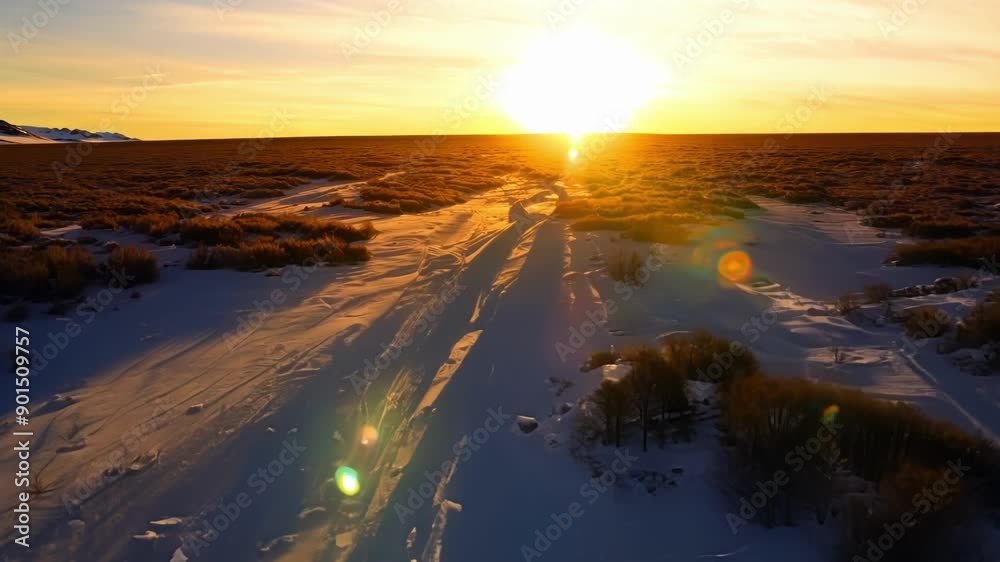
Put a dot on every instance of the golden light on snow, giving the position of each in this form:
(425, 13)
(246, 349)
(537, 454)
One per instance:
(578, 82)
(369, 435)
(347, 480)
(735, 266)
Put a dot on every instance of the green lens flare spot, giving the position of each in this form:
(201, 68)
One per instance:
(347, 480)
(830, 414)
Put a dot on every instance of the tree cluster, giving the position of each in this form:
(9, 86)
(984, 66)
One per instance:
(653, 392)
(843, 453)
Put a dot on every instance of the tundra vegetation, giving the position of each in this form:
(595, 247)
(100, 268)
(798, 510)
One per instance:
(793, 449)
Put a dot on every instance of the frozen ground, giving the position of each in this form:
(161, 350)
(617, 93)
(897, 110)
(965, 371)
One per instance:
(13, 134)
(179, 397)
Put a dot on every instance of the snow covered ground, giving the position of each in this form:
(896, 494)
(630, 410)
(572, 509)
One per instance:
(217, 384)
(13, 134)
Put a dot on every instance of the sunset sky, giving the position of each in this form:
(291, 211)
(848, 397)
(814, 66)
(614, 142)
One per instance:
(242, 68)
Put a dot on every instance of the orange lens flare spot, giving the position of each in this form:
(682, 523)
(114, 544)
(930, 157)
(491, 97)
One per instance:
(830, 414)
(369, 435)
(735, 266)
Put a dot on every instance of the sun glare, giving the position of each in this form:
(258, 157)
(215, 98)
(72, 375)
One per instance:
(579, 82)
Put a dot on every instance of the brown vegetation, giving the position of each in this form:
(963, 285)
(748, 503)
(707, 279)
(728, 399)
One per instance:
(981, 326)
(56, 272)
(137, 265)
(268, 253)
(600, 358)
(847, 303)
(709, 358)
(47, 273)
(969, 252)
(927, 322)
(877, 292)
(113, 182)
(625, 267)
(855, 439)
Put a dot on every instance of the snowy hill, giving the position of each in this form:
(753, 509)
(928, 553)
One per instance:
(10, 133)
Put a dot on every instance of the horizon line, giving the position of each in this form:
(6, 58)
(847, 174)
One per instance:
(424, 135)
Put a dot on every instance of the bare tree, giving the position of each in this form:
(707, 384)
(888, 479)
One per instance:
(648, 366)
(612, 400)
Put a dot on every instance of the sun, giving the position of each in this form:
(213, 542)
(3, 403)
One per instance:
(579, 82)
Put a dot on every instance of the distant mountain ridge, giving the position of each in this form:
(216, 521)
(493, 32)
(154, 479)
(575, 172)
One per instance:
(24, 134)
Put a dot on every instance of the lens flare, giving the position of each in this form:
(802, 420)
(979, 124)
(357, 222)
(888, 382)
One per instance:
(735, 266)
(347, 480)
(830, 414)
(573, 154)
(369, 435)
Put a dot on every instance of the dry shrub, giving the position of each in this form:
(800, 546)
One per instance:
(896, 220)
(383, 207)
(354, 253)
(45, 273)
(913, 521)
(366, 229)
(206, 257)
(594, 222)
(262, 193)
(704, 356)
(806, 197)
(305, 226)
(969, 252)
(600, 358)
(863, 438)
(257, 223)
(927, 322)
(926, 227)
(267, 253)
(981, 326)
(261, 254)
(664, 229)
(322, 250)
(877, 292)
(153, 224)
(138, 265)
(654, 230)
(732, 200)
(20, 229)
(847, 303)
(23, 273)
(201, 258)
(99, 221)
(625, 267)
(211, 231)
(574, 208)
(70, 269)
(306, 252)
(410, 205)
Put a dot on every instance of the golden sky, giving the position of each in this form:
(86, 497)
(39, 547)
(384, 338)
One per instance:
(244, 68)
